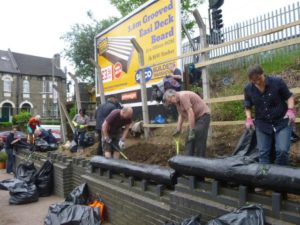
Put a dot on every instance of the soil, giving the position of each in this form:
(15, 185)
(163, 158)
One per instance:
(161, 146)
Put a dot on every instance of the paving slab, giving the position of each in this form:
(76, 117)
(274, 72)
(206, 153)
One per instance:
(27, 214)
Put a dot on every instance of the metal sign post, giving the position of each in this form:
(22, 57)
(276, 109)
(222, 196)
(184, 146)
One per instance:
(143, 86)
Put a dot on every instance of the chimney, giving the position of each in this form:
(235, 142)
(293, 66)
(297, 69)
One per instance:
(56, 60)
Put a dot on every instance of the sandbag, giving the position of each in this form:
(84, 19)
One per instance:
(26, 172)
(247, 215)
(44, 179)
(154, 173)
(10, 183)
(241, 170)
(67, 213)
(79, 195)
(23, 193)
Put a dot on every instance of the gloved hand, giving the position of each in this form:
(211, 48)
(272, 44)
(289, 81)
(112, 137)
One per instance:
(122, 144)
(191, 135)
(176, 133)
(81, 126)
(249, 124)
(75, 124)
(107, 140)
(291, 115)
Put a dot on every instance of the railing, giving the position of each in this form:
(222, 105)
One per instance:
(286, 26)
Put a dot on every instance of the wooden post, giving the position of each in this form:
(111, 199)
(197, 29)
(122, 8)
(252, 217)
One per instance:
(64, 110)
(143, 86)
(62, 118)
(203, 58)
(203, 45)
(99, 73)
(77, 92)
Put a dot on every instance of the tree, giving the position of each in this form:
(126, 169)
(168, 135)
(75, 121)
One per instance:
(80, 46)
(187, 7)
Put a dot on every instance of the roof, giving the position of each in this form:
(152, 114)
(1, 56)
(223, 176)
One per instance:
(6, 64)
(28, 65)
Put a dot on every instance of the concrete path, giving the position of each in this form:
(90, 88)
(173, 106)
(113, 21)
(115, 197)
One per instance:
(28, 214)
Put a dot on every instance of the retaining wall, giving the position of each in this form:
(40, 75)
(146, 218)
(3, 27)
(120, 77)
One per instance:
(129, 200)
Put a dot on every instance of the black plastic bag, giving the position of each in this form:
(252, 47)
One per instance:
(67, 213)
(23, 193)
(44, 179)
(247, 215)
(26, 172)
(79, 195)
(195, 220)
(247, 145)
(9, 183)
(41, 145)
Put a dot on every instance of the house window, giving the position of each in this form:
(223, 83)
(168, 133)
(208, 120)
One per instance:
(7, 85)
(26, 89)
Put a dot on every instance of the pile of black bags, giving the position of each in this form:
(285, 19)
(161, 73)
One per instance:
(246, 215)
(74, 210)
(29, 183)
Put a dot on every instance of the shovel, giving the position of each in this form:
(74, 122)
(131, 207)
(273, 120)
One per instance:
(119, 150)
(176, 138)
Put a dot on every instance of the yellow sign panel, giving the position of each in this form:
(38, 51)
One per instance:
(155, 27)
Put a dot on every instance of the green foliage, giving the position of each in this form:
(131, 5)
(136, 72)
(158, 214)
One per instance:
(5, 124)
(21, 119)
(281, 60)
(3, 156)
(51, 122)
(228, 111)
(73, 112)
(127, 6)
(80, 46)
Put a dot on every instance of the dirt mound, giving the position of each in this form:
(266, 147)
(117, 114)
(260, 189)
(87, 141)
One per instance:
(149, 153)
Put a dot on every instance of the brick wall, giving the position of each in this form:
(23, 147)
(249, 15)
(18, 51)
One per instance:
(133, 201)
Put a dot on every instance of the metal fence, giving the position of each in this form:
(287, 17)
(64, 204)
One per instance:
(261, 23)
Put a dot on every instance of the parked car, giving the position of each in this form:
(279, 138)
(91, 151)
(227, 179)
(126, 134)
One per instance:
(19, 134)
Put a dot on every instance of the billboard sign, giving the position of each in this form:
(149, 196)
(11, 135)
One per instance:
(156, 27)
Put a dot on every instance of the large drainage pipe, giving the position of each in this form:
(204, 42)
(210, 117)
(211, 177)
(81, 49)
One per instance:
(241, 170)
(154, 173)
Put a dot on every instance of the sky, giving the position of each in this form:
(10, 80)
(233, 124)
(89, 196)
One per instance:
(34, 27)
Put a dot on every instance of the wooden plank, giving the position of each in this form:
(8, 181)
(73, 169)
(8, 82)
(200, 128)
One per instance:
(270, 31)
(213, 123)
(249, 52)
(295, 91)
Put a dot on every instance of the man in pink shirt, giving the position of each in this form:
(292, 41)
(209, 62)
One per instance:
(192, 108)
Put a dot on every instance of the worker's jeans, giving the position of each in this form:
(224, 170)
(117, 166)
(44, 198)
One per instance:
(197, 147)
(80, 136)
(282, 145)
(10, 160)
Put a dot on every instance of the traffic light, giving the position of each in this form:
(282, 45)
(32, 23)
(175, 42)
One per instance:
(217, 22)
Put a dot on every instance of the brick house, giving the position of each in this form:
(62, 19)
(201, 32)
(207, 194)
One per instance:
(26, 84)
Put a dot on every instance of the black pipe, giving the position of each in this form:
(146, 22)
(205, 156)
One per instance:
(154, 173)
(241, 170)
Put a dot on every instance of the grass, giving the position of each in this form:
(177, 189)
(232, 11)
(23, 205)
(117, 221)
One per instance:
(273, 62)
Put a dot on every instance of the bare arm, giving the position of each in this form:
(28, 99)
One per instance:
(248, 113)
(105, 127)
(125, 132)
(177, 77)
(191, 118)
(179, 122)
(291, 102)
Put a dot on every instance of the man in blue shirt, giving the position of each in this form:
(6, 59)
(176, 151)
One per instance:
(274, 114)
